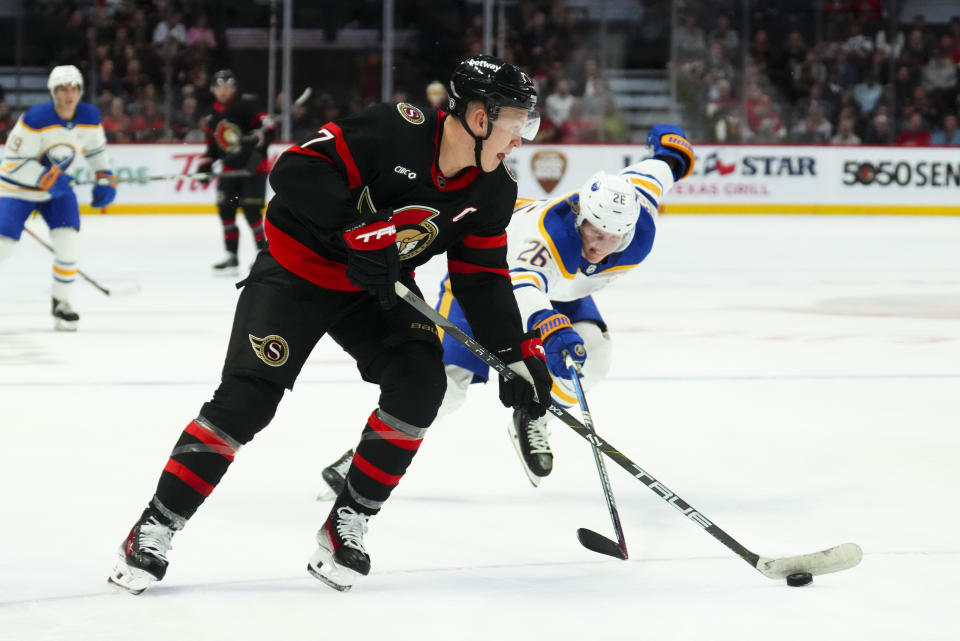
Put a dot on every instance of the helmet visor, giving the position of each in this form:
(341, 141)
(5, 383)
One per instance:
(518, 122)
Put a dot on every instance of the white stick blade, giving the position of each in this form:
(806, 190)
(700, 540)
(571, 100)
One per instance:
(840, 557)
(124, 289)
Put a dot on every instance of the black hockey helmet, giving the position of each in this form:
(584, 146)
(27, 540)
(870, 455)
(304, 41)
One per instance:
(494, 82)
(224, 76)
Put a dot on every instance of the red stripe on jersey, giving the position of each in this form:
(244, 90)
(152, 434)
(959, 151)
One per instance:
(353, 174)
(484, 242)
(184, 473)
(297, 149)
(391, 434)
(306, 263)
(461, 267)
(218, 445)
(375, 472)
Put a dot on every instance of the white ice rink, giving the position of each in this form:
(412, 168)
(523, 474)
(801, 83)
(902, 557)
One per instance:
(795, 379)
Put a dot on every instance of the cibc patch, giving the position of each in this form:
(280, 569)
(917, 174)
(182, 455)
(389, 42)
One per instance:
(410, 113)
(272, 350)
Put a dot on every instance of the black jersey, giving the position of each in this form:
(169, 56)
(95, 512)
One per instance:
(386, 157)
(230, 131)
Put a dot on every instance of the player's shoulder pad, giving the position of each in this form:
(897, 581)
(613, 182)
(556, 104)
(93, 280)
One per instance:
(410, 113)
(87, 114)
(39, 116)
(558, 226)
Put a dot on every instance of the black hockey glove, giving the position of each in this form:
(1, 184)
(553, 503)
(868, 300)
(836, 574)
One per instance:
(530, 391)
(205, 168)
(373, 261)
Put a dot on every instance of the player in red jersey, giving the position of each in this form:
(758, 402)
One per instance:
(357, 208)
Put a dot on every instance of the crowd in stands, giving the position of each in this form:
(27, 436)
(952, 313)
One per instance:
(842, 76)
(861, 82)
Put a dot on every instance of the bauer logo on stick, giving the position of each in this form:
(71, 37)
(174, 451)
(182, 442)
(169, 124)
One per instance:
(272, 350)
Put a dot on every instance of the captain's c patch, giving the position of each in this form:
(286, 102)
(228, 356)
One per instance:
(272, 350)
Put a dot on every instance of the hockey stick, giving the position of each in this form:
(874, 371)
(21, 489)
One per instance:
(839, 557)
(200, 175)
(588, 538)
(128, 289)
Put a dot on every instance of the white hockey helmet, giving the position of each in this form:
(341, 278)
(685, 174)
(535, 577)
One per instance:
(64, 75)
(609, 202)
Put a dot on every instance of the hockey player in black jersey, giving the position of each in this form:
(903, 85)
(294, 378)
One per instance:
(360, 205)
(238, 133)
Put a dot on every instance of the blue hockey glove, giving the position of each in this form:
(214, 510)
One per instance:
(105, 190)
(669, 144)
(558, 336)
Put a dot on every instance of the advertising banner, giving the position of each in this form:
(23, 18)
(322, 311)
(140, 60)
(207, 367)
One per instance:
(728, 179)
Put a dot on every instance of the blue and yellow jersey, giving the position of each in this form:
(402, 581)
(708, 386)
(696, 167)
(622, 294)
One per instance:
(545, 253)
(40, 139)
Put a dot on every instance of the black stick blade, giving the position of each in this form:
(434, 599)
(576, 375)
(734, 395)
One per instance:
(600, 544)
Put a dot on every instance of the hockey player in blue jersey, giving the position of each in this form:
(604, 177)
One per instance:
(561, 251)
(41, 150)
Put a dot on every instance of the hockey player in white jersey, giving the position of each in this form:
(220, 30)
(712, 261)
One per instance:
(41, 150)
(560, 252)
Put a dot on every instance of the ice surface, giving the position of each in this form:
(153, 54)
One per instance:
(796, 379)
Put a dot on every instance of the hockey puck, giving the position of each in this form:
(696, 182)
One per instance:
(798, 579)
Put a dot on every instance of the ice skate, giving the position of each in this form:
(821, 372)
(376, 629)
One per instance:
(529, 437)
(341, 558)
(229, 266)
(335, 476)
(65, 319)
(143, 555)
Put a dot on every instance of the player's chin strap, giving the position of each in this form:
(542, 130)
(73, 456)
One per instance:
(477, 140)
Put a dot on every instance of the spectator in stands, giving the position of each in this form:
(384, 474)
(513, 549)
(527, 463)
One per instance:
(437, 96)
(878, 132)
(117, 123)
(200, 34)
(170, 31)
(721, 108)
(576, 127)
(915, 54)
(940, 79)
(560, 102)
(149, 125)
(915, 135)
(691, 43)
(814, 129)
(595, 91)
(845, 134)
(186, 118)
(107, 80)
(868, 92)
(858, 46)
(133, 80)
(614, 126)
(728, 38)
(948, 134)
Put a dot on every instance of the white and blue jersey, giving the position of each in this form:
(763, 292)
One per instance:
(39, 140)
(547, 267)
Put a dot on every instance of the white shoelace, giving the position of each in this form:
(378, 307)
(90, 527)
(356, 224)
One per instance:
(537, 435)
(156, 538)
(351, 526)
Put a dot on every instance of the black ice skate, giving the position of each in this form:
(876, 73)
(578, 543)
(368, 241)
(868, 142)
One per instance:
(341, 558)
(228, 266)
(335, 476)
(143, 555)
(529, 437)
(64, 317)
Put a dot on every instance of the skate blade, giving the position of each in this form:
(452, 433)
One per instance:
(327, 494)
(61, 325)
(335, 577)
(130, 580)
(515, 439)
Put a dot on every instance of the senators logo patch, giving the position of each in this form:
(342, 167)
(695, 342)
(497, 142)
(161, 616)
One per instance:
(228, 136)
(410, 113)
(272, 350)
(415, 232)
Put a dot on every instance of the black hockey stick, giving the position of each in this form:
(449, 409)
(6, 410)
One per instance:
(588, 538)
(839, 557)
(127, 290)
(200, 175)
